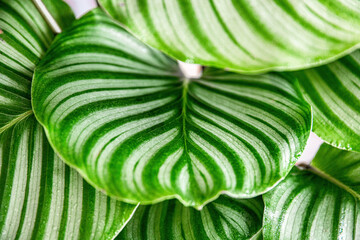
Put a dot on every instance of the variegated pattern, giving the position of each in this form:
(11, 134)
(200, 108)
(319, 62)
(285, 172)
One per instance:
(24, 38)
(244, 35)
(20, 48)
(42, 198)
(224, 218)
(333, 91)
(119, 112)
(322, 203)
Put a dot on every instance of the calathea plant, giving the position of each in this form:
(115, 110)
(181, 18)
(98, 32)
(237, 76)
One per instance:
(41, 197)
(97, 102)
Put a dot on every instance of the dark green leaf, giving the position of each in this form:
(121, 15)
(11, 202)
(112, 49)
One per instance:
(61, 12)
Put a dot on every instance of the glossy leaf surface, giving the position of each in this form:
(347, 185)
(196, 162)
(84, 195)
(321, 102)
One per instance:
(224, 218)
(42, 198)
(120, 113)
(333, 91)
(244, 35)
(322, 203)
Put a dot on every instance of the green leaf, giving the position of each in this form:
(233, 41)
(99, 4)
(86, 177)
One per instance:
(42, 198)
(322, 203)
(61, 12)
(119, 112)
(243, 35)
(24, 38)
(224, 218)
(333, 91)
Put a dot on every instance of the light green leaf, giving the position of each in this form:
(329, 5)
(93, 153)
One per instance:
(42, 198)
(24, 38)
(224, 218)
(333, 91)
(322, 203)
(119, 112)
(243, 35)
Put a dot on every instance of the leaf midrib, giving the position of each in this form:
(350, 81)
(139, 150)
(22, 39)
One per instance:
(184, 107)
(333, 180)
(256, 235)
(15, 120)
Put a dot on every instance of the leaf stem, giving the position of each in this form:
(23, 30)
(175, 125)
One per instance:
(257, 235)
(329, 178)
(47, 16)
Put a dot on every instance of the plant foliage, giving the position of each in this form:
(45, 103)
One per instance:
(97, 102)
(320, 203)
(40, 197)
(119, 112)
(243, 35)
(224, 218)
(333, 90)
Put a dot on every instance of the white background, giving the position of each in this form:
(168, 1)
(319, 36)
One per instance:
(80, 7)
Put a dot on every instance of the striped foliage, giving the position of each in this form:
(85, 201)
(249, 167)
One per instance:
(117, 111)
(243, 35)
(42, 198)
(333, 91)
(322, 203)
(224, 218)
(24, 38)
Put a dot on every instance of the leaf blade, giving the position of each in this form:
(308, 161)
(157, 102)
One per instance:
(343, 168)
(132, 126)
(333, 92)
(61, 12)
(244, 36)
(40, 197)
(43, 198)
(323, 200)
(224, 218)
(24, 38)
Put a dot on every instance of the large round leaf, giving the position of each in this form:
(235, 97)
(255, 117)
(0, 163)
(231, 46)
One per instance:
(24, 38)
(42, 198)
(118, 111)
(323, 203)
(224, 218)
(333, 91)
(244, 35)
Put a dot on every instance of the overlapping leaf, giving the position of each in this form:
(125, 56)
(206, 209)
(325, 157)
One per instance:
(333, 91)
(24, 38)
(243, 35)
(119, 112)
(322, 203)
(224, 218)
(40, 197)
